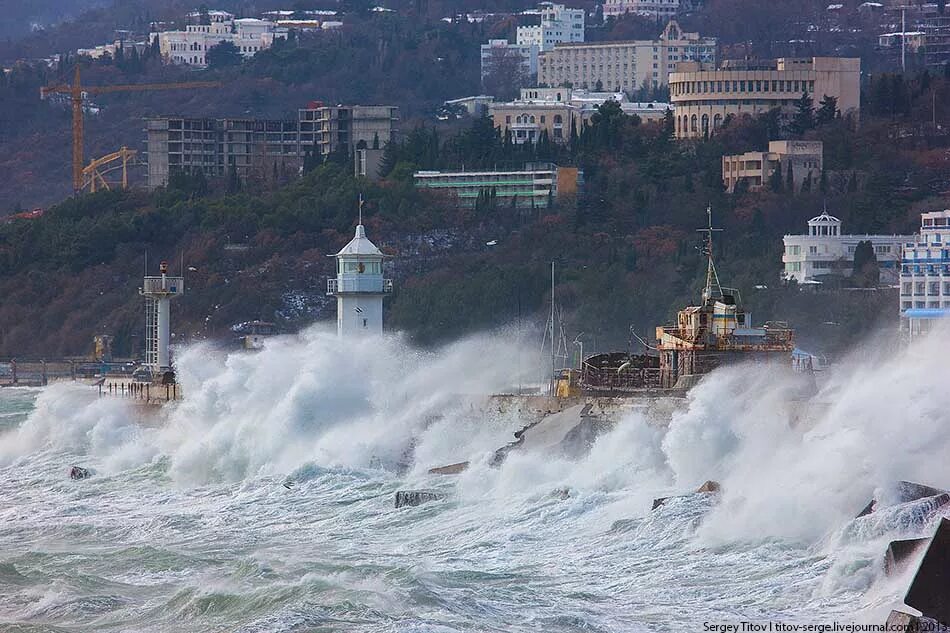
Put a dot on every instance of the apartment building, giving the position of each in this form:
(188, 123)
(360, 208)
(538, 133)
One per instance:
(558, 24)
(623, 65)
(255, 146)
(803, 159)
(649, 8)
(925, 275)
(190, 47)
(704, 95)
(525, 120)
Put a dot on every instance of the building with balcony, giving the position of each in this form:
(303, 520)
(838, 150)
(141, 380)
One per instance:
(704, 95)
(535, 186)
(558, 24)
(526, 120)
(658, 9)
(824, 252)
(925, 275)
(556, 110)
(190, 47)
(623, 65)
(800, 159)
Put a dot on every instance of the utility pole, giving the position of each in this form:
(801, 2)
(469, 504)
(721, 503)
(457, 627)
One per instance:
(903, 39)
(553, 348)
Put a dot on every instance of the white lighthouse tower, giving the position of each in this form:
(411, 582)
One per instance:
(359, 286)
(158, 293)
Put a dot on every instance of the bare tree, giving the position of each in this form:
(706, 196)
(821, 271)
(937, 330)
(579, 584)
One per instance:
(506, 73)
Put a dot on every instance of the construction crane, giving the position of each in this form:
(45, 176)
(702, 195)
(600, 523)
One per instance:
(78, 93)
(93, 174)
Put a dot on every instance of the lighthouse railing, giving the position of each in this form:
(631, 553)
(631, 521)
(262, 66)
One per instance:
(367, 283)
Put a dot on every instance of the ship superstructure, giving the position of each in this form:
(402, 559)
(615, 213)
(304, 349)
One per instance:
(717, 331)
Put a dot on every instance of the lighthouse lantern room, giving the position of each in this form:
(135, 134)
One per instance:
(359, 287)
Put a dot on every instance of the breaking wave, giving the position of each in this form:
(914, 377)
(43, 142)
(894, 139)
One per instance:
(546, 539)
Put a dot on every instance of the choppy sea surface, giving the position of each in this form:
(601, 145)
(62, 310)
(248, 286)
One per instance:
(187, 524)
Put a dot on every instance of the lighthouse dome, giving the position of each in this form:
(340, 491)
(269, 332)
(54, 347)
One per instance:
(360, 245)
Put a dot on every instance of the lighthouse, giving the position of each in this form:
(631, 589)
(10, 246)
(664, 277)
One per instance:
(359, 286)
(158, 293)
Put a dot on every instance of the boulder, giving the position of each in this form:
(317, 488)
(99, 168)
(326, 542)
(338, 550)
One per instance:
(416, 497)
(561, 493)
(904, 491)
(451, 469)
(929, 592)
(78, 472)
(658, 502)
(901, 553)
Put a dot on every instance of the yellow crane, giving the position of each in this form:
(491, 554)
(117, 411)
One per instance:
(93, 174)
(78, 93)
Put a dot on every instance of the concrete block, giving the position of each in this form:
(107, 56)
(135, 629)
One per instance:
(901, 553)
(903, 492)
(451, 469)
(929, 593)
(416, 497)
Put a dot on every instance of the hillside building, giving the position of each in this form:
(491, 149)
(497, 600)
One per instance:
(824, 251)
(558, 24)
(535, 186)
(190, 47)
(658, 9)
(255, 147)
(925, 275)
(755, 170)
(704, 95)
(623, 65)
(555, 110)
(496, 50)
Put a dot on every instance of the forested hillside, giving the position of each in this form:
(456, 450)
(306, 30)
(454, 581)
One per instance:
(626, 249)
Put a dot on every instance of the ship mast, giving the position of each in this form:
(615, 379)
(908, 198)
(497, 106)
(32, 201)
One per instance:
(712, 278)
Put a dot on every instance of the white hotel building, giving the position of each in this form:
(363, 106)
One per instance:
(190, 47)
(825, 251)
(925, 274)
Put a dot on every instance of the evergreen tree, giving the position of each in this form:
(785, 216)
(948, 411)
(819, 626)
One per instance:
(804, 118)
(223, 55)
(234, 180)
(827, 110)
(853, 183)
(790, 179)
(823, 182)
(866, 272)
(775, 180)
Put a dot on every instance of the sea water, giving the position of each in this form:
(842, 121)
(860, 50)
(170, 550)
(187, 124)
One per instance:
(264, 501)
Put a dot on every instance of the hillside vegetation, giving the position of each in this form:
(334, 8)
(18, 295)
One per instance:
(625, 249)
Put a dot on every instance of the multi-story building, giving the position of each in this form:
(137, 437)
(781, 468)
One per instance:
(496, 50)
(255, 146)
(704, 95)
(925, 275)
(555, 110)
(755, 169)
(190, 47)
(525, 120)
(533, 187)
(650, 8)
(334, 128)
(558, 24)
(623, 65)
(825, 251)
(113, 50)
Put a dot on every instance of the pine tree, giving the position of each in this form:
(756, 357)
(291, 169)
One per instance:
(775, 180)
(827, 110)
(804, 119)
(790, 179)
